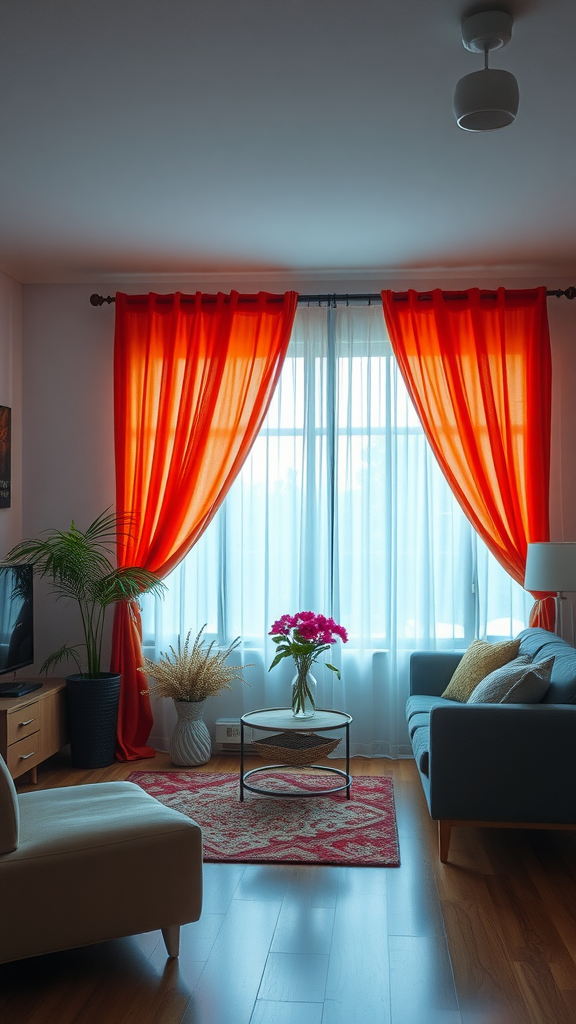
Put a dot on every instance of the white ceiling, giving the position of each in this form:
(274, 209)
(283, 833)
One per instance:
(229, 136)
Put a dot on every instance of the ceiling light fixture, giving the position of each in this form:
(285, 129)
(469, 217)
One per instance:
(486, 99)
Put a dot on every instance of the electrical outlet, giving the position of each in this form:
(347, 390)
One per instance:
(227, 734)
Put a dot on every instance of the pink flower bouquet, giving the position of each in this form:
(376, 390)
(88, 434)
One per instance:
(304, 637)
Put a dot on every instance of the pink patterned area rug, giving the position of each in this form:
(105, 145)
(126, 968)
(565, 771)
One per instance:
(325, 829)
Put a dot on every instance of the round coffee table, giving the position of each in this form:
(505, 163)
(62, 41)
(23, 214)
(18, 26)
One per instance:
(281, 720)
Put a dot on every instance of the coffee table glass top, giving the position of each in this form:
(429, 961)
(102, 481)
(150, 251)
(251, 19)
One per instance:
(282, 718)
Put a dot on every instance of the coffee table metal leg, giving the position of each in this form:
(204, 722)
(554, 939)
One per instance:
(348, 759)
(241, 760)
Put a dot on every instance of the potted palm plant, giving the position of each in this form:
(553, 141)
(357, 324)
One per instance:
(79, 568)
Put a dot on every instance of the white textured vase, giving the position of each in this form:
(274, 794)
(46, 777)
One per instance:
(190, 743)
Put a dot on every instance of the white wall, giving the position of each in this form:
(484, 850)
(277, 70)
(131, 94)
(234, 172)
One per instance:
(68, 405)
(68, 431)
(11, 395)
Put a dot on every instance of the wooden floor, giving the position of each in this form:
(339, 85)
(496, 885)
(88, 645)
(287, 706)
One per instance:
(489, 938)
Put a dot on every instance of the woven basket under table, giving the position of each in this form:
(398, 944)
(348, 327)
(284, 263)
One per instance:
(295, 748)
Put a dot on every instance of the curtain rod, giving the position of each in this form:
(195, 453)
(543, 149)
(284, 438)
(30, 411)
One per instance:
(368, 297)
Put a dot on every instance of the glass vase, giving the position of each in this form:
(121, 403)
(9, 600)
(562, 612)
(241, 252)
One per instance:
(303, 695)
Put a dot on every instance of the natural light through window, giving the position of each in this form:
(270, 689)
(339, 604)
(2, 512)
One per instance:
(341, 508)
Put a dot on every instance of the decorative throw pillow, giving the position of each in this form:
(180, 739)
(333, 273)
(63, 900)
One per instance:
(515, 683)
(480, 659)
(494, 687)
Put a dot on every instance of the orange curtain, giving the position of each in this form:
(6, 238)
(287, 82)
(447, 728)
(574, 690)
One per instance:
(193, 379)
(478, 369)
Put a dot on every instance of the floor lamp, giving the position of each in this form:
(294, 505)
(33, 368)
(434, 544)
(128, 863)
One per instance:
(552, 566)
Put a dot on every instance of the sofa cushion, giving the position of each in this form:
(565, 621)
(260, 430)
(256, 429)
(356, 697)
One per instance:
(480, 659)
(423, 702)
(519, 682)
(421, 748)
(417, 720)
(541, 644)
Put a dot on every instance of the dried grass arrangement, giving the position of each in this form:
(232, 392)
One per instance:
(192, 673)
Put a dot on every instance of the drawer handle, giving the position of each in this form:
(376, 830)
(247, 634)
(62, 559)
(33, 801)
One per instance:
(27, 722)
(24, 757)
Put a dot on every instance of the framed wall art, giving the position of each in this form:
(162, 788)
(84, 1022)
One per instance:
(5, 455)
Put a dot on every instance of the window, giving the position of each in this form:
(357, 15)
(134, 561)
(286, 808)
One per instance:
(341, 508)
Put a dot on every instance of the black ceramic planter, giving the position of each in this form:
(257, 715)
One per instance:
(92, 719)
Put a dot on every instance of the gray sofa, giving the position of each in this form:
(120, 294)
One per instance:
(497, 765)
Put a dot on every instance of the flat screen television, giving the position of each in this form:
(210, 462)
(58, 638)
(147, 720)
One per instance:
(16, 617)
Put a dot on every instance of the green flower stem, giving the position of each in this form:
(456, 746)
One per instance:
(302, 690)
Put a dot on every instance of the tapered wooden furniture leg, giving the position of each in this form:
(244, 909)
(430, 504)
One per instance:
(444, 829)
(171, 938)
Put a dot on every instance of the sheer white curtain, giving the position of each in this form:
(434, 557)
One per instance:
(341, 509)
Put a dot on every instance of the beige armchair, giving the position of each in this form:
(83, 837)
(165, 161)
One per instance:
(83, 864)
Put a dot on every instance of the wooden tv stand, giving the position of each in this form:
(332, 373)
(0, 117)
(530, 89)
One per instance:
(33, 727)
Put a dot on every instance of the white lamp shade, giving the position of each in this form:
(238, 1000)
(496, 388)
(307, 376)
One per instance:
(551, 566)
(486, 100)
